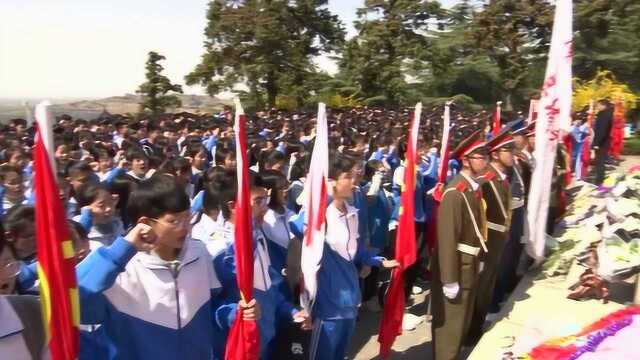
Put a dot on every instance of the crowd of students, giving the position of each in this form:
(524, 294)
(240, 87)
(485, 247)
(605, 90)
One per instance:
(150, 204)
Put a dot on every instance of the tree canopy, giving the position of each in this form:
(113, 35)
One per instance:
(156, 91)
(407, 50)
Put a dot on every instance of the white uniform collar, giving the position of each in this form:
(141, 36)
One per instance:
(502, 176)
(473, 183)
(342, 231)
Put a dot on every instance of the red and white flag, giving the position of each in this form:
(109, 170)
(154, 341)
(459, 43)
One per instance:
(243, 342)
(533, 111)
(315, 207)
(56, 257)
(554, 115)
(405, 251)
(497, 122)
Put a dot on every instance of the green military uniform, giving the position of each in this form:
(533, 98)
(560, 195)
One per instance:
(497, 194)
(461, 230)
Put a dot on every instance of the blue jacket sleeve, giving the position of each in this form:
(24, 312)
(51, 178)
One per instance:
(86, 219)
(296, 225)
(367, 257)
(210, 143)
(224, 312)
(97, 273)
(196, 203)
(27, 276)
(115, 172)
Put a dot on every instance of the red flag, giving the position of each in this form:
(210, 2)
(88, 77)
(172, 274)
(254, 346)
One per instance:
(243, 342)
(405, 252)
(56, 257)
(496, 119)
(617, 130)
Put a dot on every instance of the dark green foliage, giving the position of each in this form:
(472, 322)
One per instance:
(156, 97)
(266, 45)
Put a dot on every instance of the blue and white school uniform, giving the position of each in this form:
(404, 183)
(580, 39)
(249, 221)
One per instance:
(275, 228)
(216, 234)
(104, 234)
(336, 305)
(267, 284)
(154, 309)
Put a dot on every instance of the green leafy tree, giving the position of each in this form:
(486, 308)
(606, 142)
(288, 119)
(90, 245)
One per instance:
(390, 46)
(515, 35)
(265, 45)
(158, 93)
(608, 37)
(456, 66)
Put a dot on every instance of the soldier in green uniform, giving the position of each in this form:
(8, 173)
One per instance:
(461, 232)
(508, 269)
(496, 191)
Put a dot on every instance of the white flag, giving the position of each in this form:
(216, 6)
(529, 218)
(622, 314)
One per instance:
(45, 127)
(554, 115)
(315, 207)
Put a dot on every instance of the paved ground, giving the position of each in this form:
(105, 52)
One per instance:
(410, 345)
(414, 344)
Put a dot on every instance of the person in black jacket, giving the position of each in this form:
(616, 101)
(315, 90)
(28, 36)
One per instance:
(601, 139)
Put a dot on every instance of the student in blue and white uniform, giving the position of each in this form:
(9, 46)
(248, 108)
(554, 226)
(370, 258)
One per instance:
(336, 305)
(155, 291)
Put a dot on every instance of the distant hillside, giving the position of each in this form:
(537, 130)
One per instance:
(91, 108)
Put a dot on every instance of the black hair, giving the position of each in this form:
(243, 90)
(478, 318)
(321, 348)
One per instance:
(7, 169)
(370, 169)
(135, 153)
(273, 158)
(222, 153)
(211, 198)
(227, 187)
(122, 186)
(300, 167)
(192, 149)
(172, 166)
(275, 181)
(155, 197)
(340, 164)
(77, 227)
(16, 122)
(87, 193)
(19, 217)
(78, 166)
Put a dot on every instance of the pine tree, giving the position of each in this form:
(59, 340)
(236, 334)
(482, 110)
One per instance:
(266, 45)
(608, 38)
(391, 43)
(156, 97)
(515, 35)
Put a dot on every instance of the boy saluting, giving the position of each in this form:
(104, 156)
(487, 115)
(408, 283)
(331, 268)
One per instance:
(155, 291)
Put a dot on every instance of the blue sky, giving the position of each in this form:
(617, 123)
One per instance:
(92, 48)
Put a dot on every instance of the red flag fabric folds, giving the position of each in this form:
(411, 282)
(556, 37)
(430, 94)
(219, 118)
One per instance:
(55, 254)
(243, 342)
(405, 251)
